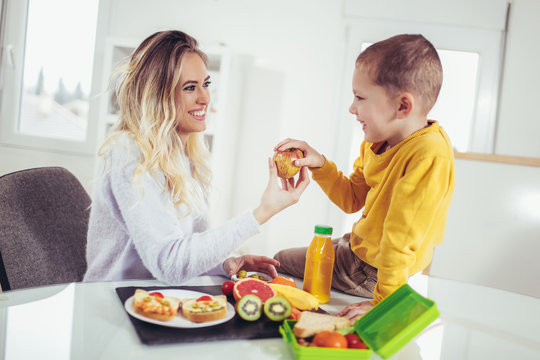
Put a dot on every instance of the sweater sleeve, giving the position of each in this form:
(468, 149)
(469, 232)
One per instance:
(349, 193)
(415, 200)
(168, 246)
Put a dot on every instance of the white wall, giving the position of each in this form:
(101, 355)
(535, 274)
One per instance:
(14, 159)
(519, 119)
(493, 227)
(293, 87)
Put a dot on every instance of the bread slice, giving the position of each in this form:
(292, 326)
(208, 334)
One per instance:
(154, 307)
(311, 323)
(204, 311)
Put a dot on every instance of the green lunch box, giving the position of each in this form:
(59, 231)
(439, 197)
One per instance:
(385, 329)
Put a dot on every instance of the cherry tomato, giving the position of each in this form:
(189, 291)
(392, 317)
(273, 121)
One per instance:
(331, 339)
(227, 287)
(354, 342)
(205, 298)
(156, 294)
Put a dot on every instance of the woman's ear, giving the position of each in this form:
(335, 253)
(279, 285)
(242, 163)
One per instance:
(406, 105)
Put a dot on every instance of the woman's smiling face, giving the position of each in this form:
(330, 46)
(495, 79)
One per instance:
(193, 96)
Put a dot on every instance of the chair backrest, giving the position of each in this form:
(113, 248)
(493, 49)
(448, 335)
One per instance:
(493, 229)
(44, 216)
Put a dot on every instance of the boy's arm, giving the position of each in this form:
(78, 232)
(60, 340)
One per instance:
(349, 193)
(419, 203)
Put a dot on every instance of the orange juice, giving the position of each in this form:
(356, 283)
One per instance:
(320, 264)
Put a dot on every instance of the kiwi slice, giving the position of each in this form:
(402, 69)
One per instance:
(249, 307)
(277, 308)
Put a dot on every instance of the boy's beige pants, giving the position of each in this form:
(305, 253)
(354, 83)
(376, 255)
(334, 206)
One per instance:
(351, 274)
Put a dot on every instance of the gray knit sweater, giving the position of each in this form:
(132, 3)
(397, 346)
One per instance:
(130, 237)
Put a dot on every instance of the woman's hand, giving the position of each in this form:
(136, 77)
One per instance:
(312, 158)
(251, 263)
(275, 198)
(354, 311)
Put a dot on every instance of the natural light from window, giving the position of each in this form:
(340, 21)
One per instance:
(455, 107)
(58, 68)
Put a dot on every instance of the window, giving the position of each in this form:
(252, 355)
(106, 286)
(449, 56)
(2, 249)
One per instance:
(455, 106)
(47, 74)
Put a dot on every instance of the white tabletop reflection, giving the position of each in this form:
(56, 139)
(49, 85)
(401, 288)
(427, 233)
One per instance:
(87, 321)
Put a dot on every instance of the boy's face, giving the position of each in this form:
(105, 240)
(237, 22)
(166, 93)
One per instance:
(374, 109)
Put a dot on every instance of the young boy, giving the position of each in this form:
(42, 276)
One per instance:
(403, 178)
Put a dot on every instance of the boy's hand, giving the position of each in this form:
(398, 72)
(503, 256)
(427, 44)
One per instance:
(276, 198)
(354, 311)
(312, 158)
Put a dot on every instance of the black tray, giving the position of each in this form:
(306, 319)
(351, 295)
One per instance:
(236, 328)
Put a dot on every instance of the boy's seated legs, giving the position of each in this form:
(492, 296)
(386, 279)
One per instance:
(351, 275)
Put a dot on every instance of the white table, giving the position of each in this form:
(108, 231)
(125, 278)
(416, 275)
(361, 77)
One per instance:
(87, 321)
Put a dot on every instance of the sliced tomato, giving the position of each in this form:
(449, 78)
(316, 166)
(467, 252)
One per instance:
(157, 294)
(205, 298)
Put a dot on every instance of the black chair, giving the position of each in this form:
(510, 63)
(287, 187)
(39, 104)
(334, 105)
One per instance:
(43, 223)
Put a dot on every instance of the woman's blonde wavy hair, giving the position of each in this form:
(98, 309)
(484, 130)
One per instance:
(145, 85)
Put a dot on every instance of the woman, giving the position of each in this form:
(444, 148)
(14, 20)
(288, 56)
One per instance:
(149, 217)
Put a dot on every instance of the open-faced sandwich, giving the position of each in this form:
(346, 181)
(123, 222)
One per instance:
(154, 305)
(206, 308)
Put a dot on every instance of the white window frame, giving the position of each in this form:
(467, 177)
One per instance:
(11, 87)
(487, 43)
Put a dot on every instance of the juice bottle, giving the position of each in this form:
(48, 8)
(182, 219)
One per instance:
(320, 264)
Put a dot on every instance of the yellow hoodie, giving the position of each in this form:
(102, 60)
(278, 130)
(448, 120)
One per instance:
(405, 192)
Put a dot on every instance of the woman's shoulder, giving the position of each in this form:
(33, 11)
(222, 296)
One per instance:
(121, 147)
(119, 156)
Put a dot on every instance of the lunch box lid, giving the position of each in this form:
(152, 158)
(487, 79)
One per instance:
(385, 329)
(395, 321)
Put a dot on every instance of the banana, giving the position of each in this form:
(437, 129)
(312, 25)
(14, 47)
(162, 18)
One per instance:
(300, 299)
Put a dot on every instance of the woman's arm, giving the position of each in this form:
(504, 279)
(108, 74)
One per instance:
(175, 250)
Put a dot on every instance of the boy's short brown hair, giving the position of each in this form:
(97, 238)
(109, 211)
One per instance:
(405, 63)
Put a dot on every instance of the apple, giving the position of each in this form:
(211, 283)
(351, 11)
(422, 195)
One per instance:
(285, 162)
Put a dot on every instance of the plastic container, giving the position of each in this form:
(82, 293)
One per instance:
(311, 352)
(320, 264)
(385, 329)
